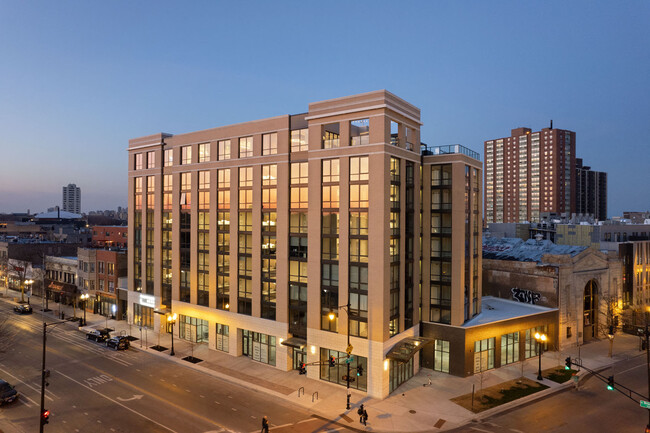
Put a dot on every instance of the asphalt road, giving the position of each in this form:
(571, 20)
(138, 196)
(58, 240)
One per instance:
(590, 409)
(96, 389)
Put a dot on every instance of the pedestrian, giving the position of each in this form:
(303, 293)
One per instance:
(365, 417)
(265, 425)
(360, 412)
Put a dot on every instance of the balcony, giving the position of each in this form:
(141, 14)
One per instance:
(448, 149)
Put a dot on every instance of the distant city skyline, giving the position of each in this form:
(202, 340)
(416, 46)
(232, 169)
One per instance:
(75, 90)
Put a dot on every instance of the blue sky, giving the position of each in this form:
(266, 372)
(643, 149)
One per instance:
(79, 78)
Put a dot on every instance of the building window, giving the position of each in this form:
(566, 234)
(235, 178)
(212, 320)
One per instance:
(245, 147)
(359, 132)
(223, 150)
(259, 347)
(186, 155)
(299, 141)
(204, 152)
(331, 135)
(270, 144)
(509, 348)
(151, 159)
(192, 329)
(138, 165)
(484, 355)
(299, 189)
(142, 316)
(441, 356)
(335, 374)
(223, 333)
(168, 158)
(531, 348)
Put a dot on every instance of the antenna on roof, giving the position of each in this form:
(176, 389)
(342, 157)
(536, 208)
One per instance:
(551, 123)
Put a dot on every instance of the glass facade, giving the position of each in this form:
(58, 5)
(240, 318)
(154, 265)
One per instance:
(193, 329)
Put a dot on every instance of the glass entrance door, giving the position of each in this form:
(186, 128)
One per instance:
(299, 356)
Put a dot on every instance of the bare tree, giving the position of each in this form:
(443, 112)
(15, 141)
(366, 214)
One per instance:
(7, 335)
(609, 308)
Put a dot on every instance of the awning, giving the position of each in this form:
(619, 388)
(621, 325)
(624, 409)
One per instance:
(405, 349)
(295, 342)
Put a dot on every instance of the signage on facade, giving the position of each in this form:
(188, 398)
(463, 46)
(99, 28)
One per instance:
(524, 295)
(147, 300)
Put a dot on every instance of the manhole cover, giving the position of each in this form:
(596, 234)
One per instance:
(411, 411)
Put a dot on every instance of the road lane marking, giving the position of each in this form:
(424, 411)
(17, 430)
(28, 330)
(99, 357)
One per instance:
(480, 429)
(117, 402)
(26, 384)
(24, 402)
(630, 369)
(307, 420)
(515, 430)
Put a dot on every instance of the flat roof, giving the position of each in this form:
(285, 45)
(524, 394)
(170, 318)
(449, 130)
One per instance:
(498, 309)
(525, 251)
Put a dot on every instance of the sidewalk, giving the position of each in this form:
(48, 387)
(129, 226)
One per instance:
(415, 406)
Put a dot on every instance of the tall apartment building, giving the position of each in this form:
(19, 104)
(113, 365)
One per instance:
(72, 198)
(591, 191)
(528, 173)
(255, 233)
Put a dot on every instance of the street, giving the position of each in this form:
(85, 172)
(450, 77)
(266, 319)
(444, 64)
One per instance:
(591, 409)
(93, 388)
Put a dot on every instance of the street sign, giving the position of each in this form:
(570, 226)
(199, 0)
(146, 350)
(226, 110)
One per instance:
(349, 360)
(349, 349)
(645, 404)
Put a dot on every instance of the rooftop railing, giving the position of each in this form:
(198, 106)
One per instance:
(448, 149)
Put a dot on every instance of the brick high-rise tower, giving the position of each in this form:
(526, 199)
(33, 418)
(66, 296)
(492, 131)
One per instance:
(528, 173)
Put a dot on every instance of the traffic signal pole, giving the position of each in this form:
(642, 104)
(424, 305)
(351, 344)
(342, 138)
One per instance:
(40, 414)
(347, 361)
(647, 353)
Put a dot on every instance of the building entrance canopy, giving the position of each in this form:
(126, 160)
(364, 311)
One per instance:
(295, 342)
(407, 348)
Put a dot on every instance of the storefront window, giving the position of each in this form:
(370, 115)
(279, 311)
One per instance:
(142, 316)
(484, 355)
(509, 348)
(531, 348)
(192, 329)
(223, 332)
(335, 374)
(259, 347)
(441, 356)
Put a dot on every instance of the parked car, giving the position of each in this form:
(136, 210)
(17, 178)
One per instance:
(8, 393)
(118, 342)
(23, 309)
(99, 335)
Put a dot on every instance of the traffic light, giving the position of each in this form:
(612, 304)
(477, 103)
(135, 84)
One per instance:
(332, 361)
(303, 368)
(359, 370)
(567, 363)
(45, 416)
(610, 383)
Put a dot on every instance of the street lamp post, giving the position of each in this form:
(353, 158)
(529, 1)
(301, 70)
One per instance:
(29, 290)
(540, 338)
(84, 297)
(172, 319)
(348, 350)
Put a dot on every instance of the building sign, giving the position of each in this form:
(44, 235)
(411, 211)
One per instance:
(148, 301)
(525, 296)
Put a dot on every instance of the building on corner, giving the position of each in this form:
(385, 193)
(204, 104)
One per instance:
(256, 234)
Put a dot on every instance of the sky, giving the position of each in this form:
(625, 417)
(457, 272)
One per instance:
(78, 79)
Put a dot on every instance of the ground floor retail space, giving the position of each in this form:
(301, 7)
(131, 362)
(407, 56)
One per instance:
(484, 344)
